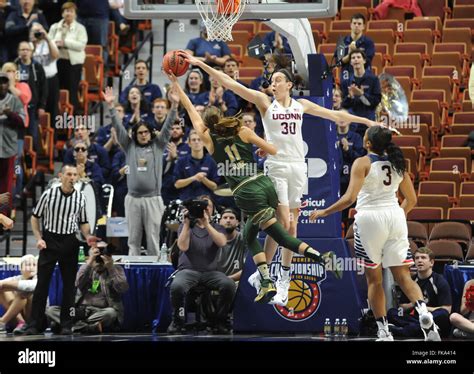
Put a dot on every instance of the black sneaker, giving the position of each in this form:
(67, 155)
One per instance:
(55, 328)
(29, 330)
(176, 328)
(65, 331)
(222, 328)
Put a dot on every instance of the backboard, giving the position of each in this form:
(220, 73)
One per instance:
(254, 9)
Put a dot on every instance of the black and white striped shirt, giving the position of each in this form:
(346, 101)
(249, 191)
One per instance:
(62, 213)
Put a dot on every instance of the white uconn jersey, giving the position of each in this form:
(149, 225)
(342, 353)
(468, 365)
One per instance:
(283, 129)
(380, 185)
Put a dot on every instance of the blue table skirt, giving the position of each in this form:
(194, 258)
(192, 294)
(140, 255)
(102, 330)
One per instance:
(146, 304)
(457, 276)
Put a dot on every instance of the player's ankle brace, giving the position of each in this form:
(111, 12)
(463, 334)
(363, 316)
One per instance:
(281, 236)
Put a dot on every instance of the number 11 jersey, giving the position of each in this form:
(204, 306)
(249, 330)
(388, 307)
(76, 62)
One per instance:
(380, 185)
(283, 129)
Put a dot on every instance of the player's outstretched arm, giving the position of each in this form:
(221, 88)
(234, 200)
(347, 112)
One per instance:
(334, 115)
(248, 136)
(408, 191)
(196, 120)
(358, 173)
(256, 97)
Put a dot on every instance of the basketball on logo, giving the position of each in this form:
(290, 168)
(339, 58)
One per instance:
(303, 301)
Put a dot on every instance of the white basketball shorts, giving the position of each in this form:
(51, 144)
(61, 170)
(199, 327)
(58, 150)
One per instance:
(381, 237)
(289, 179)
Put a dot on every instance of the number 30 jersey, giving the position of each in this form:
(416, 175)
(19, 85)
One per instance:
(283, 129)
(380, 185)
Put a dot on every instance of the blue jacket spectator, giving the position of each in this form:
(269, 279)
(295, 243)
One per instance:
(96, 154)
(231, 68)
(149, 90)
(350, 144)
(86, 167)
(212, 52)
(196, 173)
(225, 100)
(356, 40)
(194, 85)
(176, 150)
(136, 109)
(361, 91)
(119, 181)
(106, 137)
(94, 173)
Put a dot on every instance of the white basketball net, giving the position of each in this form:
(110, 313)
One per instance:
(219, 16)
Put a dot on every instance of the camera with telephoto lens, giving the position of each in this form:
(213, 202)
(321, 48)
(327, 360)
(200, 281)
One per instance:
(38, 34)
(195, 209)
(104, 250)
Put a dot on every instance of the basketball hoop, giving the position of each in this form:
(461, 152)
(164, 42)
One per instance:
(219, 16)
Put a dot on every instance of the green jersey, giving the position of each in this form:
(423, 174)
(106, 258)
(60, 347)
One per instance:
(234, 158)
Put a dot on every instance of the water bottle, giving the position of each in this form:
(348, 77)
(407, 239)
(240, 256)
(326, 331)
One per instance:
(327, 328)
(344, 328)
(81, 257)
(163, 254)
(337, 327)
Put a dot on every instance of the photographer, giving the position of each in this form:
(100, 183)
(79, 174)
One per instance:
(46, 53)
(197, 264)
(100, 285)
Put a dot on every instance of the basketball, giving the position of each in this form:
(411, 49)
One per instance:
(175, 62)
(228, 6)
(299, 296)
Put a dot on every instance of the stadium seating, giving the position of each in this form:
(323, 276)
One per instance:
(452, 231)
(425, 213)
(418, 233)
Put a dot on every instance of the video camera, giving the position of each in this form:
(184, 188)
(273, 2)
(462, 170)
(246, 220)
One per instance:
(195, 209)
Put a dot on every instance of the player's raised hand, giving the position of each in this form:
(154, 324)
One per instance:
(171, 76)
(189, 58)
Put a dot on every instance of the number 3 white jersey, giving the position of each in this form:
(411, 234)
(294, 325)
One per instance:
(283, 129)
(380, 185)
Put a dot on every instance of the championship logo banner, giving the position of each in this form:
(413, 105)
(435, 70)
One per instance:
(314, 295)
(304, 296)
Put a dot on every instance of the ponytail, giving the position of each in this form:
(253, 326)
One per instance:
(396, 158)
(381, 142)
(224, 127)
(228, 127)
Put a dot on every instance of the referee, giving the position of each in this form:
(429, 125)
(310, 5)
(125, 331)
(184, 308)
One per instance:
(63, 211)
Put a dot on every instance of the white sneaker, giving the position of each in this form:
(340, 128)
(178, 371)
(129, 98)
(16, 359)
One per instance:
(281, 298)
(384, 336)
(255, 280)
(429, 328)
